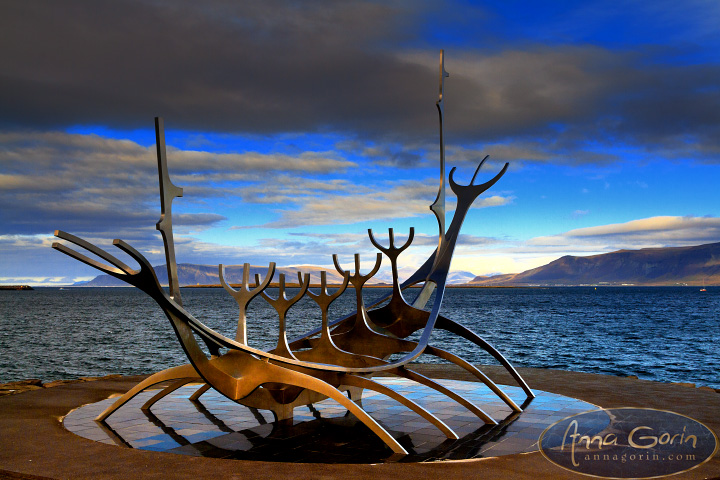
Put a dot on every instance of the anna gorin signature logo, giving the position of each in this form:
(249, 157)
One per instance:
(628, 443)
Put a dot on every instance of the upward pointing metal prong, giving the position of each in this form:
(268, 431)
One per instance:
(168, 192)
(438, 206)
(282, 304)
(244, 295)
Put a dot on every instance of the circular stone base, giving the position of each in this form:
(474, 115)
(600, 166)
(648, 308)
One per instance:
(325, 432)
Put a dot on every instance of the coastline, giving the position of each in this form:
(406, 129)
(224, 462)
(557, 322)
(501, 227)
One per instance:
(384, 285)
(16, 287)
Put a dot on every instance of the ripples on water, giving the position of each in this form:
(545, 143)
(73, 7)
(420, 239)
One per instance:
(657, 333)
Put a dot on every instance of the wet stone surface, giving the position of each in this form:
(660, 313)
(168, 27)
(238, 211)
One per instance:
(325, 432)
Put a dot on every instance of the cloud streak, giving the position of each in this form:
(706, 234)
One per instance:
(87, 183)
(352, 203)
(662, 231)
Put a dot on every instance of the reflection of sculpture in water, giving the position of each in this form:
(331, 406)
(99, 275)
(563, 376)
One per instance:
(340, 356)
(316, 427)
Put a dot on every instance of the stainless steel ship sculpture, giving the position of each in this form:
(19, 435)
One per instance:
(338, 359)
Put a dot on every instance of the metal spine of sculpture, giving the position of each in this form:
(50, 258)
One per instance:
(337, 357)
(438, 206)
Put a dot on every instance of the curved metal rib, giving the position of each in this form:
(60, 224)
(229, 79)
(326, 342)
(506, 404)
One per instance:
(199, 392)
(174, 373)
(458, 329)
(167, 391)
(416, 377)
(459, 361)
(361, 382)
(312, 383)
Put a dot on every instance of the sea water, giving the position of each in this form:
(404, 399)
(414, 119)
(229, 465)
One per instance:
(668, 334)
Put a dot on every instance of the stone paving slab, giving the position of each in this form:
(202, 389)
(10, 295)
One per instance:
(34, 444)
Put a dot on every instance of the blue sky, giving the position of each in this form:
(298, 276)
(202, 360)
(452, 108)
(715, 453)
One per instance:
(296, 126)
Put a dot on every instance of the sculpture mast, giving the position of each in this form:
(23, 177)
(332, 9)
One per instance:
(168, 192)
(438, 207)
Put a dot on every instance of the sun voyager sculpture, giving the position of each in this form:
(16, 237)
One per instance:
(336, 360)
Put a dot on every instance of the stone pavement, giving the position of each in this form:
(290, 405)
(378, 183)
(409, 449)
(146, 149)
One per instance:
(34, 444)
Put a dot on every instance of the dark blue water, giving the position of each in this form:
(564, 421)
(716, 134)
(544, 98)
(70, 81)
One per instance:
(669, 334)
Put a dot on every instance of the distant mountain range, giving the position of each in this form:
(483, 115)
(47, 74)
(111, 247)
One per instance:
(190, 274)
(696, 265)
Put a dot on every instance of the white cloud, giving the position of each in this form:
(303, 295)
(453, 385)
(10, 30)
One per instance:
(351, 203)
(661, 231)
(89, 184)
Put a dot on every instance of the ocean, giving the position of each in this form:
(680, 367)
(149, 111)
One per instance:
(666, 334)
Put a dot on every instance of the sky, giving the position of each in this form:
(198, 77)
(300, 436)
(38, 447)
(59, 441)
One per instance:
(293, 127)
